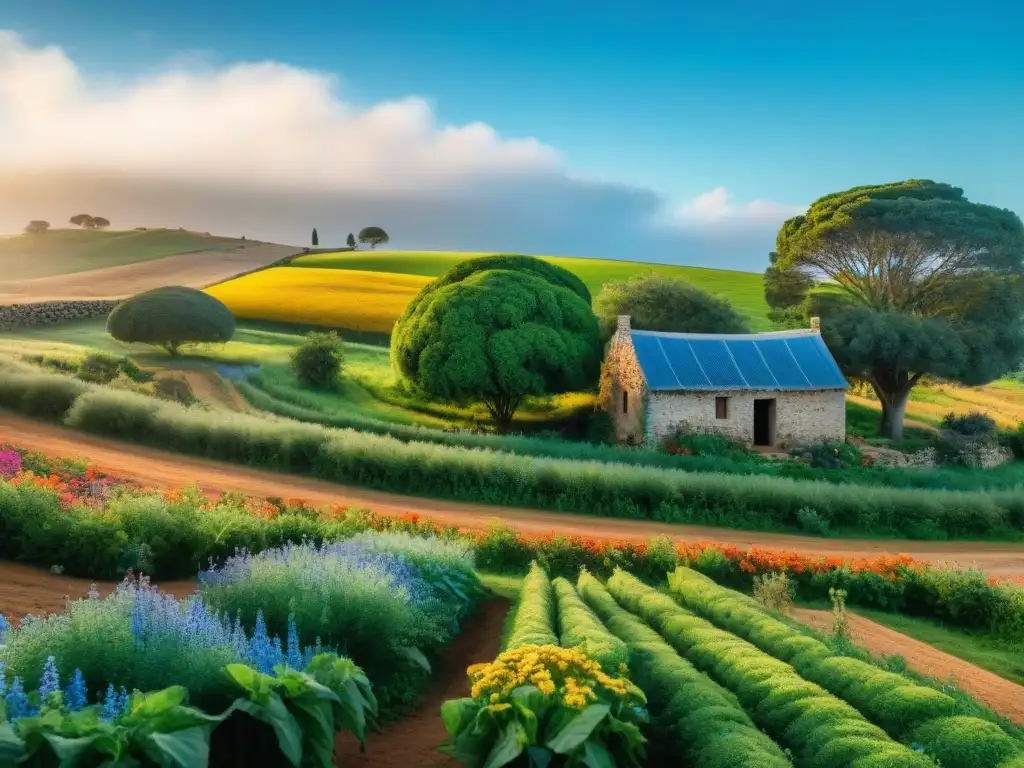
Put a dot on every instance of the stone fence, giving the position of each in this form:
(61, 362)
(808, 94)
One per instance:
(15, 316)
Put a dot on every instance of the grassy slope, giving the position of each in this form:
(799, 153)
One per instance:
(743, 289)
(65, 251)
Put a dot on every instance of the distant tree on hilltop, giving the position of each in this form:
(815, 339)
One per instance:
(373, 235)
(83, 220)
(98, 222)
(316, 239)
(351, 241)
(37, 227)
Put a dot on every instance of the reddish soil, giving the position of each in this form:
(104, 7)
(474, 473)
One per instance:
(26, 590)
(413, 740)
(168, 470)
(999, 694)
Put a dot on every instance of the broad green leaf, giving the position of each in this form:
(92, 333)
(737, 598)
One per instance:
(596, 755)
(12, 749)
(315, 717)
(69, 750)
(258, 685)
(276, 715)
(151, 704)
(415, 655)
(528, 718)
(180, 718)
(576, 731)
(510, 745)
(188, 748)
(458, 713)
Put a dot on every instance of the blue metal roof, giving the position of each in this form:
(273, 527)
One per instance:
(788, 360)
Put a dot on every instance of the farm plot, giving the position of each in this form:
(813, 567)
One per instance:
(733, 686)
(351, 300)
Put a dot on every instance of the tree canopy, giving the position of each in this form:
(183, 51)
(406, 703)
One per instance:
(373, 235)
(37, 227)
(98, 222)
(660, 303)
(169, 317)
(350, 241)
(498, 336)
(921, 281)
(315, 238)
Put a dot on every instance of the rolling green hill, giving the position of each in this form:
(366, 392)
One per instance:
(67, 251)
(743, 289)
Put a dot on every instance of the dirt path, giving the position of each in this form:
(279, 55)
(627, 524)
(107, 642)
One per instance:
(196, 270)
(167, 470)
(413, 740)
(211, 388)
(999, 694)
(26, 590)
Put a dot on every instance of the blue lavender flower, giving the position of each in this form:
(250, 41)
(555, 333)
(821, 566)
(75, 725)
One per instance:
(4, 626)
(3, 680)
(49, 684)
(75, 695)
(110, 705)
(294, 656)
(16, 701)
(122, 702)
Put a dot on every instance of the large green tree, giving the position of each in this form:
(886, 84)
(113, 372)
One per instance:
(920, 280)
(498, 336)
(172, 316)
(660, 303)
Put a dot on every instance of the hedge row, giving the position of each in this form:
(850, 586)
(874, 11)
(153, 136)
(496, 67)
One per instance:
(906, 710)
(281, 401)
(823, 730)
(579, 628)
(498, 478)
(699, 722)
(534, 622)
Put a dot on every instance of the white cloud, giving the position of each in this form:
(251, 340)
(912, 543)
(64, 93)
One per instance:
(717, 208)
(272, 150)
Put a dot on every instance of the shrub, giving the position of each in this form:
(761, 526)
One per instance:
(534, 621)
(687, 441)
(966, 742)
(172, 316)
(99, 368)
(831, 454)
(774, 591)
(973, 424)
(317, 361)
(812, 522)
(40, 395)
(579, 628)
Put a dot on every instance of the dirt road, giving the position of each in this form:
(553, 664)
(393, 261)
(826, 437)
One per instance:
(999, 694)
(168, 470)
(195, 270)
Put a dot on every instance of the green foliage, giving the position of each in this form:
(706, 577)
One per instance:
(579, 628)
(534, 622)
(656, 302)
(170, 317)
(796, 719)
(317, 362)
(831, 454)
(686, 441)
(696, 720)
(37, 227)
(373, 235)
(350, 241)
(315, 238)
(925, 281)
(966, 742)
(497, 336)
(973, 424)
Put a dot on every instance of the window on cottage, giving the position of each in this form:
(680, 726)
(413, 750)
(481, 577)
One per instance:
(625, 402)
(721, 407)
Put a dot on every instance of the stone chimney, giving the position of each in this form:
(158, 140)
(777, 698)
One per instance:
(815, 324)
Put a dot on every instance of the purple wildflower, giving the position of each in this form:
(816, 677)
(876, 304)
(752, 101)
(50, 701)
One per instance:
(16, 701)
(10, 464)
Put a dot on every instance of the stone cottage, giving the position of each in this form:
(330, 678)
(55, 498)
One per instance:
(765, 389)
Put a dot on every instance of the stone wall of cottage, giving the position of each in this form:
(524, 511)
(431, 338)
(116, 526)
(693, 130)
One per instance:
(625, 397)
(800, 417)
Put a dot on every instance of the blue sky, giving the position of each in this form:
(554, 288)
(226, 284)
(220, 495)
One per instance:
(779, 101)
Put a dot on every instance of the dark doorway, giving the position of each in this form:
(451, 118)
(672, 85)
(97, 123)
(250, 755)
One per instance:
(764, 422)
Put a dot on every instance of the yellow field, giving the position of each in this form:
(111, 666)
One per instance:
(1002, 400)
(348, 299)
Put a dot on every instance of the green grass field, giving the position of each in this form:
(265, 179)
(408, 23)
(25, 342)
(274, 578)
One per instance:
(744, 290)
(66, 251)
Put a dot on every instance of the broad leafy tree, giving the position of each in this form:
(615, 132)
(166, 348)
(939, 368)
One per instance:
(83, 220)
(920, 281)
(37, 227)
(172, 316)
(498, 336)
(98, 222)
(660, 303)
(373, 235)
